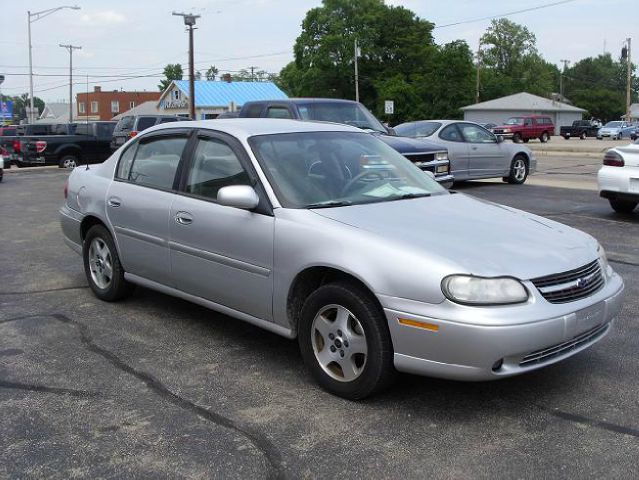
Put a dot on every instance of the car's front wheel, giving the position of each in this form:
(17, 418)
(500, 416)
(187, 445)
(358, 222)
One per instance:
(518, 171)
(102, 266)
(345, 342)
(622, 206)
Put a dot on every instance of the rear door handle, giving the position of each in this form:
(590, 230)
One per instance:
(183, 218)
(114, 202)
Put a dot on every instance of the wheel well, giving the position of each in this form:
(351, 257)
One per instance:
(69, 151)
(309, 280)
(525, 157)
(87, 223)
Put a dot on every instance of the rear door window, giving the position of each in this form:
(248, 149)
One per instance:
(156, 162)
(168, 119)
(451, 133)
(278, 112)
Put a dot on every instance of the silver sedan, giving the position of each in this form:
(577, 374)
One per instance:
(324, 233)
(474, 151)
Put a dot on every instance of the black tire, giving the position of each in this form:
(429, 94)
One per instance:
(517, 138)
(377, 372)
(526, 140)
(583, 136)
(19, 164)
(620, 136)
(515, 177)
(68, 161)
(118, 288)
(622, 206)
(566, 137)
(544, 137)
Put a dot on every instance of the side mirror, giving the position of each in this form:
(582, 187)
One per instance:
(499, 138)
(238, 196)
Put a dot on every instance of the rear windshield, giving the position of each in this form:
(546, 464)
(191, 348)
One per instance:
(125, 123)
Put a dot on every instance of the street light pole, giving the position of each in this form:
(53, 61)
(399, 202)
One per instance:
(189, 21)
(37, 16)
(70, 48)
(356, 72)
(629, 79)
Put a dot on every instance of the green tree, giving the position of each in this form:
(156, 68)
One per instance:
(598, 84)
(399, 60)
(171, 72)
(211, 73)
(248, 75)
(511, 64)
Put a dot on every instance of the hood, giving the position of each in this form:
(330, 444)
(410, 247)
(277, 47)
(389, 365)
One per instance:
(473, 236)
(609, 129)
(409, 145)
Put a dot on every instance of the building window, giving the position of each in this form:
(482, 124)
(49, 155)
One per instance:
(176, 94)
(131, 105)
(115, 106)
(81, 107)
(94, 107)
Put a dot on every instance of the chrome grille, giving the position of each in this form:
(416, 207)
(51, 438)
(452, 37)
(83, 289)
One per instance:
(548, 353)
(421, 160)
(572, 285)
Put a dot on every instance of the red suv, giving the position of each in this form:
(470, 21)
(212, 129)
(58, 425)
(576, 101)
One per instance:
(525, 127)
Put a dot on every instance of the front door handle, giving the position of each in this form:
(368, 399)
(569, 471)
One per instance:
(114, 202)
(183, 218)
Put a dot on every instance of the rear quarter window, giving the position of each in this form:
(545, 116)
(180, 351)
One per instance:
(253, 110)
(145, 122)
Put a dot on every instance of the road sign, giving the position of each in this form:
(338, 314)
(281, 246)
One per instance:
(6, 110)
(389, 107)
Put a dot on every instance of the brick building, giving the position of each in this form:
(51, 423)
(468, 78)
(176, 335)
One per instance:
(104, 105)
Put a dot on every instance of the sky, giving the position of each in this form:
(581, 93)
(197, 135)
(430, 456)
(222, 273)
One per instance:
(137, 38)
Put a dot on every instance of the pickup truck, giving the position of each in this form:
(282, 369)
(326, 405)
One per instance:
(526, 127)
(580, 129)
(425, 155)
(10, 138)
(88, 143)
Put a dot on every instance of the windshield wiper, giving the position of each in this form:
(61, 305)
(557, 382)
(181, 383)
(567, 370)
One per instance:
(330, 204)
(407, 196)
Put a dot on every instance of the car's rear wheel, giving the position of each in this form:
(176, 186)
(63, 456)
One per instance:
(622, 206)
(68, 161)
(544, 137)
(102, 266)
(517, 138)
(583, 136)
(518, 170)
(345, 342)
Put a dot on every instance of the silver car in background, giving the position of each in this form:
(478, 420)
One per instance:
(474, 151)
(324, 233)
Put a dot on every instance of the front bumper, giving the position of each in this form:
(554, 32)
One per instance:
(455, 348)
(618, 182)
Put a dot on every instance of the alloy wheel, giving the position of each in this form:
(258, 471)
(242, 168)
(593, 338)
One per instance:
(100, 263)
(339, 343)
(519, 169)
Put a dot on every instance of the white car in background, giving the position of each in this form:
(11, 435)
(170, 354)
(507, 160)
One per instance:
(619, 177)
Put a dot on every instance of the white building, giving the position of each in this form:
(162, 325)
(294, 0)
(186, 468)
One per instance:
(215, 97)
(501, 109)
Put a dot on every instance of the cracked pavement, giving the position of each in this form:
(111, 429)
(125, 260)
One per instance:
(155, 387)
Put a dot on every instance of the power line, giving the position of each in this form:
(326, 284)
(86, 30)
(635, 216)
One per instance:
(524, 10)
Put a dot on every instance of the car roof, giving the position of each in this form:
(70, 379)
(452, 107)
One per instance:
(248, 127)
(299, 100)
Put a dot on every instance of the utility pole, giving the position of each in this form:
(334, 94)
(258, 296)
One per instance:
(357, 54)
(70, 49)
(252, 74)
(629, 79)
(478, 68)
(561, 79)
(34, 17)
(189, 21)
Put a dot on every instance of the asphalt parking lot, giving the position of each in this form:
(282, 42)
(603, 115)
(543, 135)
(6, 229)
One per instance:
(154, 387)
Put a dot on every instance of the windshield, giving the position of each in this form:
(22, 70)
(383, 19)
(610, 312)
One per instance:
(515, 121)
(325, 169)
(347, 113)
(613, 124)
(418, 129)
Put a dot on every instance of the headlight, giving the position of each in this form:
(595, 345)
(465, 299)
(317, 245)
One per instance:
(506, 130)
(441, 155)
(603, 259)
(470, 290)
